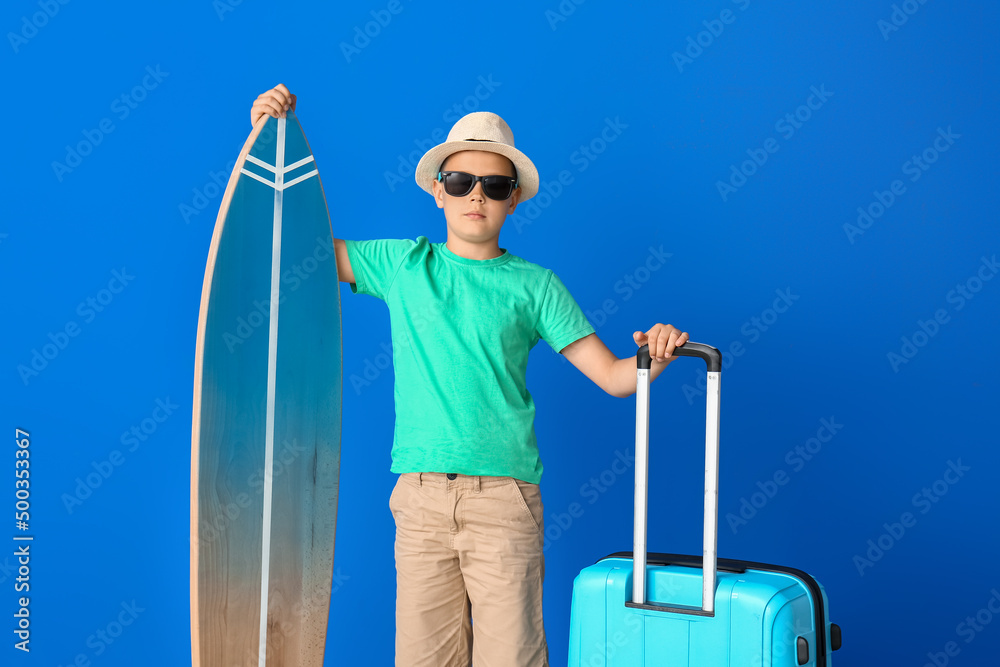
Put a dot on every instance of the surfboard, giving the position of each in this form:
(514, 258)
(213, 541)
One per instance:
(268, 382)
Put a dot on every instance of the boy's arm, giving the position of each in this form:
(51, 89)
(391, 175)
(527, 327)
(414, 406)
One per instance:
(617, 376)
(344, 271)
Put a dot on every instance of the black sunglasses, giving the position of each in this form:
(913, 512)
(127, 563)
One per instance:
(459, 184)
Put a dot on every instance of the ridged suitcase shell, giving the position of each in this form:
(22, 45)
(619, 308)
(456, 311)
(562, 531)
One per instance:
(759, 617)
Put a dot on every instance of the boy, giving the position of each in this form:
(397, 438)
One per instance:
(464, 314)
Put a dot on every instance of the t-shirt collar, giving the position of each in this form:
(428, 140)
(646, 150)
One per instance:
(493, 261)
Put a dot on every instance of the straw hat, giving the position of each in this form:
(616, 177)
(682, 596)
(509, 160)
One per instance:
(479, 131)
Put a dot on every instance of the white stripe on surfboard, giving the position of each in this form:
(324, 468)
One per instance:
(260, 163)
(284, 186)
(256, 177)
(299, 179)
(295, 165)
(272, 358)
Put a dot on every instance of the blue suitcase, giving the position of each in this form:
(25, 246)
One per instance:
(673, 611)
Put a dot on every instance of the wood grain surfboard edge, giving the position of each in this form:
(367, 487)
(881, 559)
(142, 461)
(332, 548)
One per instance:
(196, 402)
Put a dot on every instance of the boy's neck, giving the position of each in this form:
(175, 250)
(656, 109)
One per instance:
(473, 250)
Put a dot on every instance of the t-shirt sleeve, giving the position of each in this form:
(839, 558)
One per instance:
(561, 320)
(375, 263)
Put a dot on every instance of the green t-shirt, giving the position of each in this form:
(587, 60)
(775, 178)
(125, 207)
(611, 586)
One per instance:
(461, 333)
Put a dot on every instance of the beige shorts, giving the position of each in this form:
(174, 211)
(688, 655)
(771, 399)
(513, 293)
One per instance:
(468, 554)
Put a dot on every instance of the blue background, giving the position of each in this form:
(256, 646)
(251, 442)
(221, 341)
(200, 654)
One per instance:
(141, 202)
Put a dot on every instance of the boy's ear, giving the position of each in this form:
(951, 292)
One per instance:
(515, 197)
(438, 193)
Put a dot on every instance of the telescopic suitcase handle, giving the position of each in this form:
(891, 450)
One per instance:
(713, 360)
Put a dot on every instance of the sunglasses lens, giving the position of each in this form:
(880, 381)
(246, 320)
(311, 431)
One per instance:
(458, 184)
(497, 187)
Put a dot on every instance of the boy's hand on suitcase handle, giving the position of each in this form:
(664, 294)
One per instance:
(661, 339)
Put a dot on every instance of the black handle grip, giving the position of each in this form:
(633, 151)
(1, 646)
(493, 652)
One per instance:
(711, 355)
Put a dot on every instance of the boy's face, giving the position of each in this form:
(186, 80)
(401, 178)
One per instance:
(475, 218)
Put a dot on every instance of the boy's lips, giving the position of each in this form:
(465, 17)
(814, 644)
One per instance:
(475, 215)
